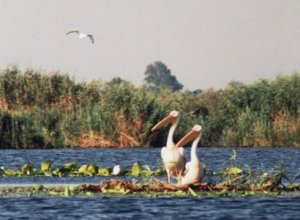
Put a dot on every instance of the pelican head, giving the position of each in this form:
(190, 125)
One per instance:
(193, 134)
(171, 118)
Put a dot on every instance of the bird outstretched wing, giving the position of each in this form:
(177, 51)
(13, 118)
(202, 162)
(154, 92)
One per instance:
(77, 32)
(91, 37)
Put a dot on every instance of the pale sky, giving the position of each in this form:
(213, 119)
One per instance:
(205, 43)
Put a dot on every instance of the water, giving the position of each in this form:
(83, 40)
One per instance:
(149, 208)
(114, 207)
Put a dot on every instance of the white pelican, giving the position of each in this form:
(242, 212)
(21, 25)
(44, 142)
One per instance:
(194, 169)
(82, 35)
(172, 156)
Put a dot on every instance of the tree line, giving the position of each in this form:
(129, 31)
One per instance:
(40, 109)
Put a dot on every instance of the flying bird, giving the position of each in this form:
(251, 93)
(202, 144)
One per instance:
(173, 157)
(82, 35)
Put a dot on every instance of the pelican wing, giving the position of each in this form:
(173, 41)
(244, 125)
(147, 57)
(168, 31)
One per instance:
(187, 168)
(77, 32)
(181, 151)
(91, 37)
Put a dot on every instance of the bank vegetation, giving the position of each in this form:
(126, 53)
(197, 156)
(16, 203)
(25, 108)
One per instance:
(40, 109)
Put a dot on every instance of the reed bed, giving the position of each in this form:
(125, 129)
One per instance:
(40, 109)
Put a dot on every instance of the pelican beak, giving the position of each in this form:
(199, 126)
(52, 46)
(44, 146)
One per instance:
(188, 138)
(165, 121)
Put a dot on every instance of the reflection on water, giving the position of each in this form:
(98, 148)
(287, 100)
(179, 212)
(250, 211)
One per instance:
(102, 207)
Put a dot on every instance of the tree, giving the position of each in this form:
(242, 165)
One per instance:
(116, 81)
(159, 75)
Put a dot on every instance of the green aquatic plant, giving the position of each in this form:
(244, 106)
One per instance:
(241, 184)
(26, 169)
(67, 191)
(66, 169)
(10, 172)
(38, 187)
(46, 166)
(136, 169)
(233, 170)
(92, 169)
(83, 169)
(71, 169)
(272, 179)
(2, 171)
(89, 170)
(233, 180)
(104, 171)
(233, 156)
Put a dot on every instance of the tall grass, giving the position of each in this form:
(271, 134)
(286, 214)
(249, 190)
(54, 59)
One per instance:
(40, 109)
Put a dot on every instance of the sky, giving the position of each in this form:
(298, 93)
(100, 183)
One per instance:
(205, 43)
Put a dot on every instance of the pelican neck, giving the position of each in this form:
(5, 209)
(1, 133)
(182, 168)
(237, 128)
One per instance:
(194, 149)
(170, 142)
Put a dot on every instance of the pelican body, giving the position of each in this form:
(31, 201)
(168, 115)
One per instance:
(172, 156)
(194, 169)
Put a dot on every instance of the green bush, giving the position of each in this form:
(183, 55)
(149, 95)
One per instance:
(40, 109)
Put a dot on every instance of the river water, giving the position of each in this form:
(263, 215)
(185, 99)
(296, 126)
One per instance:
(115, 207)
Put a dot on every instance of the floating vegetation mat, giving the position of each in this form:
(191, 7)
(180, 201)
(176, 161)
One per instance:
(231, 181)
(234, 182)
(157, 187)
(118, 187)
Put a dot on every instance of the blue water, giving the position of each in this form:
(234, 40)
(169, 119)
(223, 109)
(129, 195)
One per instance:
(114, 207)
(149, 208)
